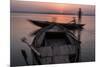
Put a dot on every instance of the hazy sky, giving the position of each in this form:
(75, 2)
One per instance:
(50, 7)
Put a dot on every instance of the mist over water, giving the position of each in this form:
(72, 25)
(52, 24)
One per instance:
(20, 28)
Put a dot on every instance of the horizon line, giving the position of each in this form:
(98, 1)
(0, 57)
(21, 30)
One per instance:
(51, 13)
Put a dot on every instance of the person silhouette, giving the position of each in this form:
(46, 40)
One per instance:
(74, 20)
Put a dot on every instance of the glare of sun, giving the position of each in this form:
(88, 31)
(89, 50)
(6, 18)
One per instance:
(60, 7)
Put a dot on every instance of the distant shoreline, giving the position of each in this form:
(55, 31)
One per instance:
(50, 13)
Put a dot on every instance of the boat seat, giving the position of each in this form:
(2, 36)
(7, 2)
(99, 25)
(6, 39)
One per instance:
(56, 54)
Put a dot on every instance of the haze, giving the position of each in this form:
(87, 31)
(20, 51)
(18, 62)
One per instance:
(44, 7)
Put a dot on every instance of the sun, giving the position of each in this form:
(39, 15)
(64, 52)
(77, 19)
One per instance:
(60, 7)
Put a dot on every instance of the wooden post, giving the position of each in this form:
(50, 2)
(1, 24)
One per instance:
(79, 15)
(79, 34)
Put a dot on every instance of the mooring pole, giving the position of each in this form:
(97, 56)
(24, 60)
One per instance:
(79, 34)
(79, 15)
(79, 22)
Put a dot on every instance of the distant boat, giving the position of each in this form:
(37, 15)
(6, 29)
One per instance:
(70, 26)
(56, 44)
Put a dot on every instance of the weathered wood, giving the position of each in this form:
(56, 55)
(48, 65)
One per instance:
(57, 50)
(55, 59)
(55, 44)
(70, 26)
(61, 59)
(46, 60)
(45, 51)
(64, 50)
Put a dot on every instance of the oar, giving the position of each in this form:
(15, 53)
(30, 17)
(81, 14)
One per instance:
(24, 40)
(25, 56)
(34, 51)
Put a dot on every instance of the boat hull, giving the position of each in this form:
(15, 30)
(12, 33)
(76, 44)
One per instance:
(56, 45)
(70, 26)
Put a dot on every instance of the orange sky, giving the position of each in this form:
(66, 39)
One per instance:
(58, 7)
(50, 7)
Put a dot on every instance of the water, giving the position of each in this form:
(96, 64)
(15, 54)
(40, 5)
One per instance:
(20, 28)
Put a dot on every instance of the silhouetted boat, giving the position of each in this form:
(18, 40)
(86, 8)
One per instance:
(70, 26)
(56, 44)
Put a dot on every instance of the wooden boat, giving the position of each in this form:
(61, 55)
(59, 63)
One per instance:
(70, 26)
(56, 44)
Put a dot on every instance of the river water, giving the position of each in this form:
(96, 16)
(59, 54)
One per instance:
(20, 28)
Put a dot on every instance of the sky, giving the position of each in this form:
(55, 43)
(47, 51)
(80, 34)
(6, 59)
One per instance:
(31, 6)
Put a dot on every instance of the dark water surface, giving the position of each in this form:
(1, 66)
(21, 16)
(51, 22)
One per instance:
(20, 28)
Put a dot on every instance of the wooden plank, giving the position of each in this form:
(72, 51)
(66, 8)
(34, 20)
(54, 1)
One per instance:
(64, 50)
(57, 50)
(45, 51)
(46, 60)
(55, 59)
(61, 59)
